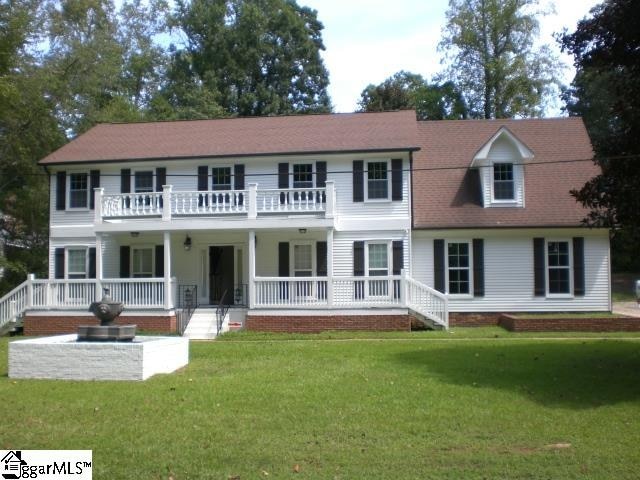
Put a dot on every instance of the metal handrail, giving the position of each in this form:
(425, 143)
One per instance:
(187, 302)
(221, 311)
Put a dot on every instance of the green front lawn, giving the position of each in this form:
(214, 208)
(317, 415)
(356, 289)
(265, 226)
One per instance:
(395, 407)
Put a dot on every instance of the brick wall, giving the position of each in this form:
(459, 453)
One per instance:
(480, 319)
(54, 325)
(320, 323)
(578, 324)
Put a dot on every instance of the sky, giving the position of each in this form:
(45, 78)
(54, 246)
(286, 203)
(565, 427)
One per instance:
(369, 40)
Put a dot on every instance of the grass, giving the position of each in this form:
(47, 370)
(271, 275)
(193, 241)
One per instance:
(394, 406)
(623, 296)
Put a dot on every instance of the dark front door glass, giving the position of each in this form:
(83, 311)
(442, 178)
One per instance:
(221, 275)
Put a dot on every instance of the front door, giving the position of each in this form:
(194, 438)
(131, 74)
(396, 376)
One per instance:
(221, 274)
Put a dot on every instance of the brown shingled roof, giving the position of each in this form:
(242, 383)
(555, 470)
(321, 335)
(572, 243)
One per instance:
(450, 198)
(241, 137)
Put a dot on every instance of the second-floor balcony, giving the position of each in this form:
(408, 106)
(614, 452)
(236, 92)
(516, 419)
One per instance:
(250, 203)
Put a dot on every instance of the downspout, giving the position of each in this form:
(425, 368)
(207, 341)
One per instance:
(411, 214)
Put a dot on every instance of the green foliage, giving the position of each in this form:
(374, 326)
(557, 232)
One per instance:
(488, 45)
(406, 90)
(250, 57)
(606, 92)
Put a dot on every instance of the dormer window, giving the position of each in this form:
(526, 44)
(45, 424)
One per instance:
(503, 182)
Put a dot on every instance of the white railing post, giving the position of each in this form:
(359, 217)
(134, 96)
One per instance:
(330, 267)
(167, 270)
(97, 199)
(99, 274)
(252, 269)
(30, 278)
(404, 288)
(166, 203)
(253, 200)
(331, 199)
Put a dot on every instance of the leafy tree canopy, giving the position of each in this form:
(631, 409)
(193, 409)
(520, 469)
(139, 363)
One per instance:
(250, 57)
(606, 92)
(489, 48)
(406, 90)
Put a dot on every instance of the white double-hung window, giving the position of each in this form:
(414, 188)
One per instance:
(378, 178)
(76, 263)
(458, 268)
(78, 190)
(142, 262)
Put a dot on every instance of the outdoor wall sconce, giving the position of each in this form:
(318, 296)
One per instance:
(302, 230)
(187, 243)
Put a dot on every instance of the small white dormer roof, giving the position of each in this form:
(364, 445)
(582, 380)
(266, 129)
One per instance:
(482, 155)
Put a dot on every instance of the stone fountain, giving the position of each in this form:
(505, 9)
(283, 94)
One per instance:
(106, 310)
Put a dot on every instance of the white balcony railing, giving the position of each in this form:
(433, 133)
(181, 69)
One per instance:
(249, 203)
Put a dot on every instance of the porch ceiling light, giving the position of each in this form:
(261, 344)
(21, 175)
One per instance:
(135, 234)
(187, 243)
(302, 230)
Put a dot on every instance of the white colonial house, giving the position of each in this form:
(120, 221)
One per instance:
(305, 223)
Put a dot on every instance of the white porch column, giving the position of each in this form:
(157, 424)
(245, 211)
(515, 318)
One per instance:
(166, 203)
(330, 194)
(330, 267)
(252, 268)
(168, 301)
(97, 198)
(253, 200)
(99, 273)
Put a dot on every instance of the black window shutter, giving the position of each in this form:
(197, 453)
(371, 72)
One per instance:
(125, 180)
(94, 182)
(283, 175)
(321, 259)
(396, 179)
(61, 190)
(125, 256)
(203, 181)
(238, 177)
(358, 181)
(539, 283)
(478, 267)
(578, 267)
(398, 256)
(161, 178)
(59, 263)
(321, 174)
(358, 259)
(283, 259)
(92, 262)
(438, 265)
(159, 265)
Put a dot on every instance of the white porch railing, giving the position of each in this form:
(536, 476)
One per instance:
(137, 292)
(397, 291)
(291, 291)
(57, 294)
(250, 203)
(212, 203)
(291, 200)
(14, 304)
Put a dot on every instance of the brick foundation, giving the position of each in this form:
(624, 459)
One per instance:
(320, 323)
(54, 325)
(577, 324)
(479, 319)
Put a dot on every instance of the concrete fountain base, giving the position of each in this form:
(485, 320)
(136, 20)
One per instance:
(62, 357)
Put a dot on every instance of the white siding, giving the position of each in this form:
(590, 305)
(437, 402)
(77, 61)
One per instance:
(502, 151)
(509, 271)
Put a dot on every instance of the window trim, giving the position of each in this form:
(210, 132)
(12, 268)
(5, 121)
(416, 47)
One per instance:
(313, 173)
(387, 162)
(569, 242)
(514, 180)
(68, 192)
(389, 244)
(469, 243)
(153, 259)
(231, 177)
(66, 261)
(292, 257)
(134, 172)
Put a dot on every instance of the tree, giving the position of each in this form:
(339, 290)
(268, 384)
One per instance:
(492, 59)
(28, 131)
(606, 92)
(254, 57)
(406, 90)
